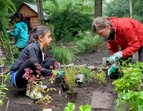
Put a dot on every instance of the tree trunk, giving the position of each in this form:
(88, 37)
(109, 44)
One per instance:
(40, 12)
(131, 8)
(98, 8)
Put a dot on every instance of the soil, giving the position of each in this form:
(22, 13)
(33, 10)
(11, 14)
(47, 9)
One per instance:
(59, 100)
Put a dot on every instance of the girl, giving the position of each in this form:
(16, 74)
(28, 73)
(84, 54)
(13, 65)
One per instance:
(33, 53)
(20, 31)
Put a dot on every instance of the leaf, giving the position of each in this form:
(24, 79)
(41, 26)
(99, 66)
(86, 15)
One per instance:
(70, 107)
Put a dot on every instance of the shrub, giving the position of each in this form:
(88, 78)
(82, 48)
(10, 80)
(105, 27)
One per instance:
(62, 54)
(88, 43)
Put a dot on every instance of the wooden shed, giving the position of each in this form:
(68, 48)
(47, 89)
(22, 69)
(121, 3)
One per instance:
(30, 13)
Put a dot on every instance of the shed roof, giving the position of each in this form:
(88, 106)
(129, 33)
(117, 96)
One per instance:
(35, 9)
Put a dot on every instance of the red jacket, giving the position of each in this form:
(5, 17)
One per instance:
(128, 36)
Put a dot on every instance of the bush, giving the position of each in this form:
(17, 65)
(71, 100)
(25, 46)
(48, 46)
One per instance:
(62, 54)
(67, 23)
(88, 43)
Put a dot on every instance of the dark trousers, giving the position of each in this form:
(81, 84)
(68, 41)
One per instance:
(22, 82)
(140, 54)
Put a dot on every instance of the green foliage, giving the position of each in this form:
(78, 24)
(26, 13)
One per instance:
(128, 87)
(85, 107)
(62, 54)
(3, 88)
(10, 51)
(87, 72)
(131, 79)
(132, 100)
(71, 107)
(70, 77)
(120, 8)
(101, 77)
(88, 43)
(6, 9)
(67, 20)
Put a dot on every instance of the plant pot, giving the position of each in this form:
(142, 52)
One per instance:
(80, 79)
(71, 96)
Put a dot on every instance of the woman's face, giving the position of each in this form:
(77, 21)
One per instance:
(104, 32)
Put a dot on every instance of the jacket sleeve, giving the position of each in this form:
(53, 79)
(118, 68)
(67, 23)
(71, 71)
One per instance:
(113, 47)
(132, 41)
(15, 31)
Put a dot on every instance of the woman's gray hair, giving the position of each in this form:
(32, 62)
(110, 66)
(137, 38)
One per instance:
(99, 23)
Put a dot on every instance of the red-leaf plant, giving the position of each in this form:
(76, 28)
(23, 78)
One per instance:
(33, 78)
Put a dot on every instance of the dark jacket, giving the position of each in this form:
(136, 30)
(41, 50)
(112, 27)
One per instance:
(33, 51)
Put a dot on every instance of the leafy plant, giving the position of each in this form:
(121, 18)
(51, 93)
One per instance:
(10, 52)
(101, 77)
(87, 72)
(62, 54)
(85, 107)
(67, 19)
(131, 79)
(132, 100)
(45, 100)
(88, 43)
(33, 77)
(3, 89)
(71, 107)
(129, 88)
(70, 77)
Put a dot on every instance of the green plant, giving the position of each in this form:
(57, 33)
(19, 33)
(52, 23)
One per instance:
(71, 107)
(88, 43)
(62, 54)
(129, 88)
(131, 79)
(10, 51)
(87, 72)
(3, 89)
(45, 100)
(130, 100)
(70, 77)
(101, 77)
(67, 19)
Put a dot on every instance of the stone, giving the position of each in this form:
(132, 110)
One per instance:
(24, 100)
(101, 101)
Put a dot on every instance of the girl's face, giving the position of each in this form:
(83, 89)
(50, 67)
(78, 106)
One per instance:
(46, 40)
(16, 19)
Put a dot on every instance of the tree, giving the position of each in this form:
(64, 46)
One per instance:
(98, 8)
(131, 8)
(121, 8)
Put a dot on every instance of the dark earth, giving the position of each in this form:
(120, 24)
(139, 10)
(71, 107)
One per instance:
(59, 101)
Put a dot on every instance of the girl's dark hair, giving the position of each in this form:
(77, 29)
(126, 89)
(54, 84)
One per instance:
(19, 16)
(34, 34)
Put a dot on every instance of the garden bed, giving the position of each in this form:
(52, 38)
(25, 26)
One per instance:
(59, 100)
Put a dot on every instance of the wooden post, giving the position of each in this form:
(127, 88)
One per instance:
(40, 12)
